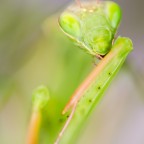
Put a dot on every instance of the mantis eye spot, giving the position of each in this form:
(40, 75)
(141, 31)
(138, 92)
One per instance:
(70, 24)
(114, 13)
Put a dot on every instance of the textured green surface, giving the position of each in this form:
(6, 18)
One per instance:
(93, 26)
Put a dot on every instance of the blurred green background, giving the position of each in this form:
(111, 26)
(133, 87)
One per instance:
(34, 51)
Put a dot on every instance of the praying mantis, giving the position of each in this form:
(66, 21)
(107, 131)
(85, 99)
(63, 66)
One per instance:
(92, 26)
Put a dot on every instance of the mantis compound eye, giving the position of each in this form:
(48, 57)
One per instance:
(99, 39)
(113, 12)
(70, 24)
(92, 27)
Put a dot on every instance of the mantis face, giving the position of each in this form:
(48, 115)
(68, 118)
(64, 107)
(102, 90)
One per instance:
(93, 26)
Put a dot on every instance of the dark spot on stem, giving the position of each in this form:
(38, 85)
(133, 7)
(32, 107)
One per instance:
(90, 100)
(60, 120)
(99, 88)
(67, 116)
(109, 73)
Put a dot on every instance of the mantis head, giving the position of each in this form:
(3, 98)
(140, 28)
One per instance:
(92, 26)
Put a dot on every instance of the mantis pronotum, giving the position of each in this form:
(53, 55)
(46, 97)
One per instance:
(92, 26)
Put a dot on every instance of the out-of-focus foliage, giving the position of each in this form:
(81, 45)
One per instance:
(57, 63)
(34, 52)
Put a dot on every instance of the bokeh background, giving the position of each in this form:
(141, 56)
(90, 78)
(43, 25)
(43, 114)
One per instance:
(33, 51)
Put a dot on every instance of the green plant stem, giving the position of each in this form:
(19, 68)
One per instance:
(34, 127)
(40, 101)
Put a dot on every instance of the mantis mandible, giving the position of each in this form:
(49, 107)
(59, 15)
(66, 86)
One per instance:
(92, 26)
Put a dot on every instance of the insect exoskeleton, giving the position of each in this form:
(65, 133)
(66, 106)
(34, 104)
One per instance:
(70, 24)
(97, 32)
(99, 40)
(93, 26)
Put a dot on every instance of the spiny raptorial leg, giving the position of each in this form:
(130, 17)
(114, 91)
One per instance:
(66, 124)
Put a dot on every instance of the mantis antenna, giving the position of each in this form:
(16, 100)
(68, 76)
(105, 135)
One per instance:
(78, 3)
